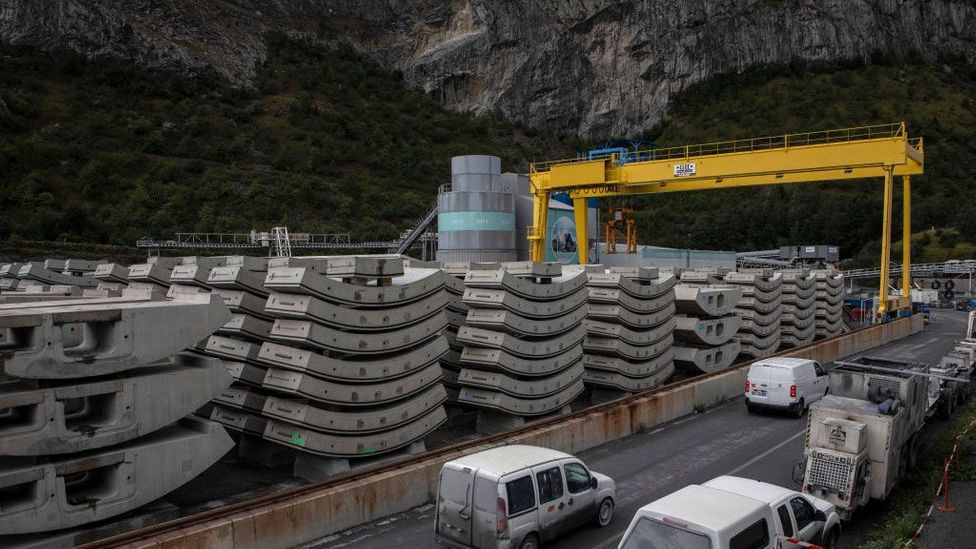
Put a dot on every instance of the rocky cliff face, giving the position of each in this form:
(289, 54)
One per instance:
(592, 67)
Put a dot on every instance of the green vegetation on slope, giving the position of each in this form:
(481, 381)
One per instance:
(938, 102)
(326, 142)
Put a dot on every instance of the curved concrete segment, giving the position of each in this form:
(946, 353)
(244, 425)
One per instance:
(788, 342)
(796, 300)
(635, 337)
(798, 278)
(330, 445)
(239, 301)
(639, 288)
(613, 380)
(767, 296)
(322, 337)
(710, 331)
(237, 277)
(37, 272)
(758, 341)
(499, 360)
(320, 390)
(247, 327)
(484, 298)
(154, 273)
(373, 420)
(413, 285)
(763, 318)
(617, 347)
(798, 318)
(761, 330)
(85, 340)
(539, 348)
(765, 307)
(307, 307)
(703, 360)
(111, 272)
(243, 372)
(829, 309)
(504, 320)
(613, 296)
(239, 397)
(94, 414)
(370, 370)
(761, 282)
(498, 401)
(520, 388)
(559, 288)
(239, 421)
(101, 484)
(759, 352)
(621, 315)
(828, 277)
(634, 369)
(232, 349)
(798, 332)
(707, 300)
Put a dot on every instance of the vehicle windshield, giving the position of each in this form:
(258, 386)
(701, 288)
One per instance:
(651, 534)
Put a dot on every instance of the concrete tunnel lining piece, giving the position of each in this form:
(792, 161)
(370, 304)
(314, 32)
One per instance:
(120, 478)
(615, 380)
(534, 388)
(80, 340)
(118, 410)
(706, 301)
(368, 394)
(308, 307)
(413, 285)
(498, 401)
(502, 361)
(709, 331)
(322, 337)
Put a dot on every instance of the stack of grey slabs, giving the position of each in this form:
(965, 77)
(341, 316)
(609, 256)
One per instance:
(760, 309)
(631, 350)
(797, 324)
(829, 303)
(522, 338)
(97, 401)
(352, 366)
(8, 277)
(155, 272)
(706, 323)
(36, 271)
(456, 311)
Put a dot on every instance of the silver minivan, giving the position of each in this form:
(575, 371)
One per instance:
(516, 497)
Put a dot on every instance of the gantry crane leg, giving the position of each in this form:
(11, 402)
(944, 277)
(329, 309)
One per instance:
(906, 241)
(582, 230)
(885, 243)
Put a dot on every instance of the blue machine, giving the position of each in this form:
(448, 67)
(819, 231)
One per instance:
(627, 150)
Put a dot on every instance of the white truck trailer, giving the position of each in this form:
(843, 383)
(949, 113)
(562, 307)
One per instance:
(863, 436)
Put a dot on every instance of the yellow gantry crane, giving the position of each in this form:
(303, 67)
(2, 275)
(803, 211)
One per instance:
(882, 152)
(620, 217)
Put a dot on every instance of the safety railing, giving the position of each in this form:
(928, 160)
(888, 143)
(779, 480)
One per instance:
(863, 133)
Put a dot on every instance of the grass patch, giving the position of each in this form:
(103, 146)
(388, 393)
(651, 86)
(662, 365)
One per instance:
(914, 493)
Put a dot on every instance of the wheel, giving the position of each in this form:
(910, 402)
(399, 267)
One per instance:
(799, 409)
(605, 513)
(750, 408)
(830, 542)
(936, 285)
(530, 542)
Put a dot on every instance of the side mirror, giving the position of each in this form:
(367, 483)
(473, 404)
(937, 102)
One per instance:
(593, 483)
(821, 516)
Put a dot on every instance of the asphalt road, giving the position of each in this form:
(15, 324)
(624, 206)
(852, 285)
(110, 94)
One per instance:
(722, 441)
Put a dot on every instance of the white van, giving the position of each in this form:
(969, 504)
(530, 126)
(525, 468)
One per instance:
(785, 384)
(516, 497)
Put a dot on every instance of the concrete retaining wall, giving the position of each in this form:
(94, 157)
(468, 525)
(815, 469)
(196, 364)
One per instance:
(293, 520)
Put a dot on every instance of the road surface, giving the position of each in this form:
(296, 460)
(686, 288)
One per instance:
(725, 440)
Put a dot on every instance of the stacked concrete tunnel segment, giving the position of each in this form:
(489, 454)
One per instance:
(760, 309)
(830, 302)
(522, 341)
(98, 396)
(799, 299)
(629, 330)
(706, 323)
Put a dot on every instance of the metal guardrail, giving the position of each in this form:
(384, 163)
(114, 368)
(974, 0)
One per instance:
(824, 137)
(967, 266)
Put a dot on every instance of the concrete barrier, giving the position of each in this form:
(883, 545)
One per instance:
(312, 512)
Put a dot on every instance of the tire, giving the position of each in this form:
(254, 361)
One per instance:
(750, 408)
(936, 284)
(830, 542)
(800, 406)
(604, 514)
(530, 542)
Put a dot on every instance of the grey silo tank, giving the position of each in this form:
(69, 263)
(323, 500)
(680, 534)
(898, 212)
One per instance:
(476, 217)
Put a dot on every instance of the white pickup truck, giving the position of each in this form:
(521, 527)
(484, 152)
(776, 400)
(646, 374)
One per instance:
(734, 513)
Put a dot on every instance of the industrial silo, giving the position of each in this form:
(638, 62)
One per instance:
(476, 215)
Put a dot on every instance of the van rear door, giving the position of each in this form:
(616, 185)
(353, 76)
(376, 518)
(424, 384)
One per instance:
(770, 385)
(455, 489)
